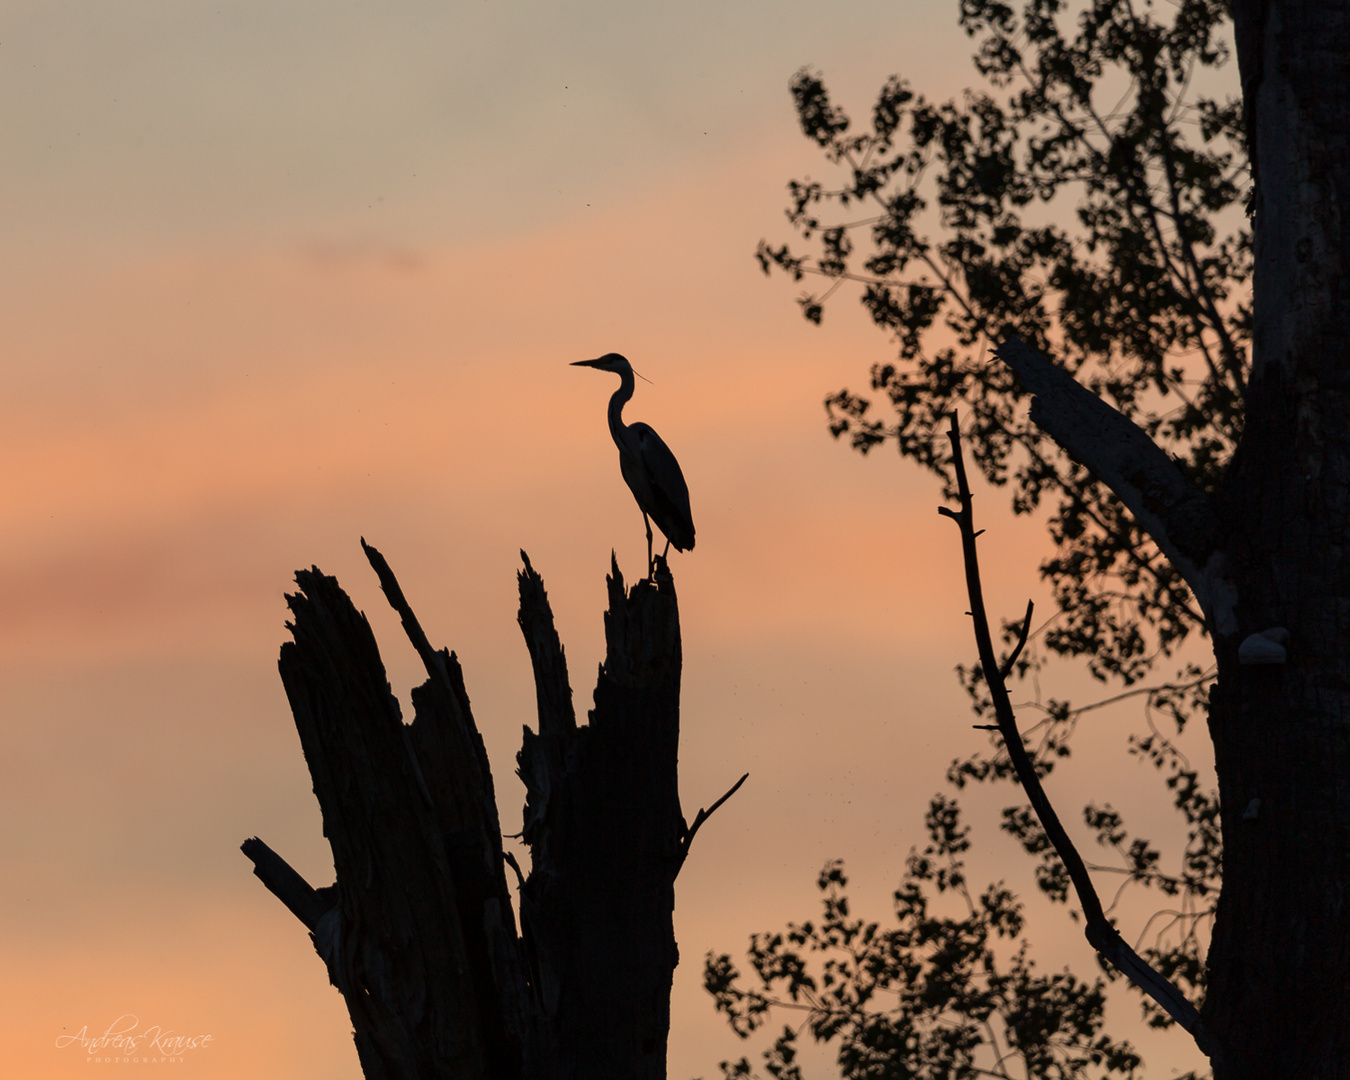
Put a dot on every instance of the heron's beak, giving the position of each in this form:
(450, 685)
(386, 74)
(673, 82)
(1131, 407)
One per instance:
(587, 363)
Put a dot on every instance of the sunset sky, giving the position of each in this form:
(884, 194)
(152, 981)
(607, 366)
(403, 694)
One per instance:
(277, 276)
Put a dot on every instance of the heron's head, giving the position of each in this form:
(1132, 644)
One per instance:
(609, 362)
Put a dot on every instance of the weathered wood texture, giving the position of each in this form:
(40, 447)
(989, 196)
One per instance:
(418, 932)
(605, 832)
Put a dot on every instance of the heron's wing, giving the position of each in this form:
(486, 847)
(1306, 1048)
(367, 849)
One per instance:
(665, 483)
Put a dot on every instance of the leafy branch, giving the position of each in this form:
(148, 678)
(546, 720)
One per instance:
(1145, 301)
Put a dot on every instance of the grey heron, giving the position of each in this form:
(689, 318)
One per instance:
(652, 473)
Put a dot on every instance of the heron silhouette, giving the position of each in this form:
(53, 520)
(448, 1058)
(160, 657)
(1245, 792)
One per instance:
(650, 469)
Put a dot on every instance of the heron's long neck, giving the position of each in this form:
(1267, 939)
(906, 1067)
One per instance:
(617, 427)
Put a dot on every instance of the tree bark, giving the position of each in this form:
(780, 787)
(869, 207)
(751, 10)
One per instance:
(603, 823)
(1279, 990)
(1267, 557)
(418, 932)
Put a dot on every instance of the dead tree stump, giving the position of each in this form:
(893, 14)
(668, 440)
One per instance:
(418, 932)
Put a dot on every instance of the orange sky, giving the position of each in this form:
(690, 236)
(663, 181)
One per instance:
(223, 370)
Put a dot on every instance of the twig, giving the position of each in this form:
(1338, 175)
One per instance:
(1007, 667)
(687, 840)
(1101, 935)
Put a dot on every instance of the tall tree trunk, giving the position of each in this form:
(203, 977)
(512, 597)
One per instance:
(1269, 561)
(1279, 991)
(418, 932)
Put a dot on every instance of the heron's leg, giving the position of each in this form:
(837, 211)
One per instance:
(647, 522)
(666, 554)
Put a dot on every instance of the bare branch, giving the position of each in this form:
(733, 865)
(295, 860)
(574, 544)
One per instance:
(1100, 933)
(687, 840)
(1175, 513)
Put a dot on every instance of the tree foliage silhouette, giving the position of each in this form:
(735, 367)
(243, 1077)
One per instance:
(1094, 116)
(1143, 300)
(933, 997)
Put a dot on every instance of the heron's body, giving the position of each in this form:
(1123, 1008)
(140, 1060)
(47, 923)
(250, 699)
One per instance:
(649, 468)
